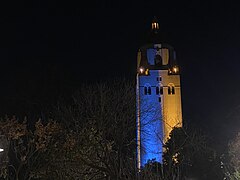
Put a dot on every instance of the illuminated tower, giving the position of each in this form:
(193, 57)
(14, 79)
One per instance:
(158, 97)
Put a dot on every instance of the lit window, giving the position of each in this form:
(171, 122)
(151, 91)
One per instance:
(155, 25)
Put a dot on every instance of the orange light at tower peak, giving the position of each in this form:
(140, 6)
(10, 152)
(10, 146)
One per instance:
(155, 25)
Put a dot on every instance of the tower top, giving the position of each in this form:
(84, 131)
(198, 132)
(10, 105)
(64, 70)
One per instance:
(155, 25)
(155, 54)
(153, 35)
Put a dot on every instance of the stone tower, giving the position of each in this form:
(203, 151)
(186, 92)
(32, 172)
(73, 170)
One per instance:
(158, 92)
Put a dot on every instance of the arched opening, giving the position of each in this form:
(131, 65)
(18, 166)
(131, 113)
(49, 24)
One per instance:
(157, 90)
(171, 88)
(147, 89)
(161, 90)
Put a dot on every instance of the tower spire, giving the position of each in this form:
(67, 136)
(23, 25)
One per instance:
(155, 25)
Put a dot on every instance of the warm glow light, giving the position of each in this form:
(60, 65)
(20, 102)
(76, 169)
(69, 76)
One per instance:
(175, 158)
(141, 69)
(146, 72)
(1, 150)
(155, 25)
(175, 69)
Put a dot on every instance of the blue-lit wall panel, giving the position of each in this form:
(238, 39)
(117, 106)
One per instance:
(151, 119)
(151, 55)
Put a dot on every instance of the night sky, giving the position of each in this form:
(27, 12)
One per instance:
(48, 49)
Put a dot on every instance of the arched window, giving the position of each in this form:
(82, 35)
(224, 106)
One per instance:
(159, 78)
(161, 90)
(157, 90)
(145, 90)
(149, 91)
(171, 89)
(158, 60)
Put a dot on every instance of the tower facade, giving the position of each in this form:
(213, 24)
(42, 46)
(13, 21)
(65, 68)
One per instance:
(158, 93)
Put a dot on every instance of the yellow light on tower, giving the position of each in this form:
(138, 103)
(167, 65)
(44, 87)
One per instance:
(175, 69)
(147, 72)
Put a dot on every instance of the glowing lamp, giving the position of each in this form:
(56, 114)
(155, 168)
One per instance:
(141, 69)
(1, 150)
(175, 69)
(155, 25)
(175, 158)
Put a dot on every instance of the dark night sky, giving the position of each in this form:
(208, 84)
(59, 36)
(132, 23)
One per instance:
(47, 48)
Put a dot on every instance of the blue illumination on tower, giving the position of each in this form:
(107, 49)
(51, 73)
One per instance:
(151, 115)
(158, 109)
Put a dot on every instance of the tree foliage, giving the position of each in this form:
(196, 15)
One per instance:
(232, 167)
(27, 149)
(93, 137)
(103, 119)
(187, 155)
